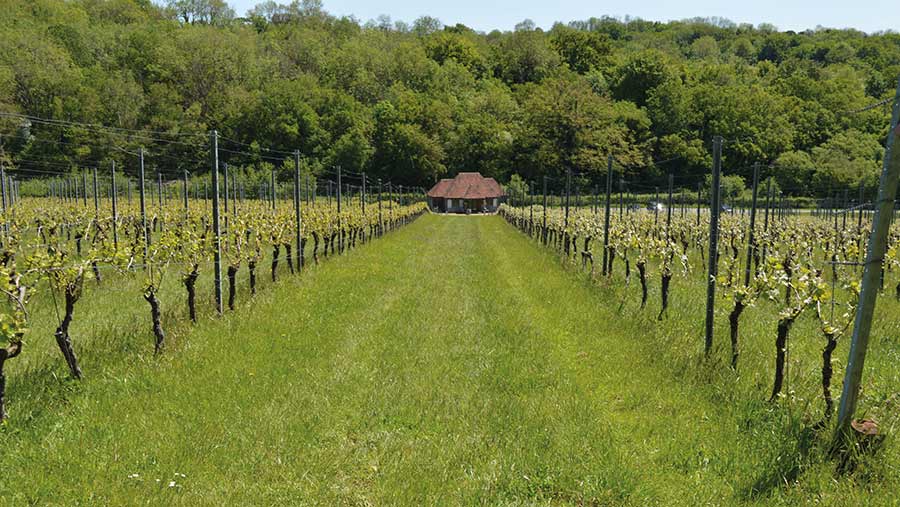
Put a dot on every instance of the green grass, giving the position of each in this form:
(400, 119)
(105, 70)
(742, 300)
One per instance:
(453, 362)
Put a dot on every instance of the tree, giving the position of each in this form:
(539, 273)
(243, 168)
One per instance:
(731, 185)
(794, 171)
(426, 25)
(524, 57)
(403, 151)
(847, 160)
(443, 46)
(212, 12)
(639, 75)
(571, 127)
(581, 51)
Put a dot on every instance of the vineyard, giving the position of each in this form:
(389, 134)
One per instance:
(799, 267)
(57, 250)
(804, 273)
(111, 275)
(646, 274)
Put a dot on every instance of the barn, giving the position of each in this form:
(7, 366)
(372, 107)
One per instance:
(466, 193)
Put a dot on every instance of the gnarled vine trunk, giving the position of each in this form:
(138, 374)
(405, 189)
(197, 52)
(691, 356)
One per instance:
(612, 259)
(155, 316)
(276, 251)
(251, 266)
(733, 319)
(664, 292)
(642, 271)
(784, 328)
(301, 258)
(288, 255)
(232, 285)
(63, 341)
(190, 281)
(11, 351)
(315, 248)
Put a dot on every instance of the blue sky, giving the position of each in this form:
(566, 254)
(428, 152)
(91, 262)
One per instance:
(866, 15)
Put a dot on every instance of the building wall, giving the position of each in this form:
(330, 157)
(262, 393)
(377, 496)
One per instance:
(442, 205)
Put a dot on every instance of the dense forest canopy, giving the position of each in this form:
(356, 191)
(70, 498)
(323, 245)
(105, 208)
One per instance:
(419, 101)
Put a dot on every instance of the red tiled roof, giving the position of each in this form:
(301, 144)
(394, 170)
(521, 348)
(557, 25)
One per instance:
(467, 186)
(440, 188)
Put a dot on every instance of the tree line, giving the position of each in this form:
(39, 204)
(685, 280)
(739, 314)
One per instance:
(415, 102)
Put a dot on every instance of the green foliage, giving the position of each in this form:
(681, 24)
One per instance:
(581, 51)
(290, 76)
(731, 185)
(640, 75)
(516, 186)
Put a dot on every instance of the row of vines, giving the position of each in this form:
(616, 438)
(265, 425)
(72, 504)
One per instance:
(51, 249)
(796, 265)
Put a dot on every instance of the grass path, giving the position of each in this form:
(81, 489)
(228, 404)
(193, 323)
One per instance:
(451, 363)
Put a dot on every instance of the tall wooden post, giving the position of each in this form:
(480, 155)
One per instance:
(298, 220)
(96, 194)
(144, 208)
(714, 209)
(217, 239)
(340, 223)
(115, 206)
(751, 238)
(881, 223)
(669, 208)
(609, 175)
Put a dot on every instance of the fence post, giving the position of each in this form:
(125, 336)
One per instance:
(225, 187)
(144, 208)
(234, 196)
(96, 194)
(568, 184)
(762, 259)
(609, 168)
(84, 188)
(669, 207)
(340, 230)
(5, 201)
(859, 206)
(274, 189)
(751, 240)
(298, 220)
(184, 187)
(713, 243)
(881, 223)
(846, 208)
(217, 239)
(115, 206)
(531, 209)
(698, 203)
(544, 228)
